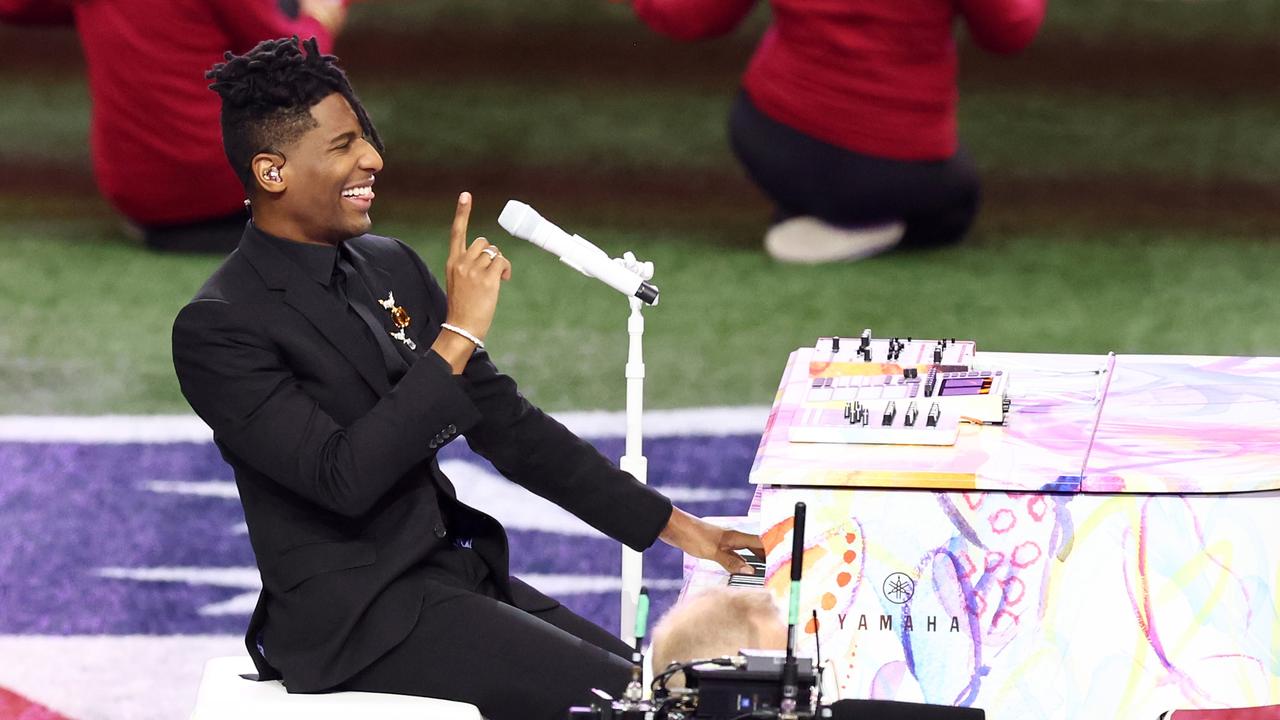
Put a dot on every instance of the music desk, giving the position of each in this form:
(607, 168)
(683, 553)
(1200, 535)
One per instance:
(1112, 551)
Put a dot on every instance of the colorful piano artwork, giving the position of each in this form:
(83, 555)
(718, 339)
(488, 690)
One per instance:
(1112, 550)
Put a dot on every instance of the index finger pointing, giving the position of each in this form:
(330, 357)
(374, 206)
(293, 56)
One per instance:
(458, 234)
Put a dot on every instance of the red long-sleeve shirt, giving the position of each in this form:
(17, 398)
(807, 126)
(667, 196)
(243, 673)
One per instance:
(156, 140)
(874, 76)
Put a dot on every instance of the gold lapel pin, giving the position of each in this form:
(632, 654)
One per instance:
(400, 317)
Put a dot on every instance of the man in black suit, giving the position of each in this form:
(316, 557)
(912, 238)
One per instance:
(332, 367)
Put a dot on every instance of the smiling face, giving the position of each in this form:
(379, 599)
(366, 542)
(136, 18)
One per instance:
(325, 185)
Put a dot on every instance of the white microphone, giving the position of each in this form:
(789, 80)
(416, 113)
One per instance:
(525, 223)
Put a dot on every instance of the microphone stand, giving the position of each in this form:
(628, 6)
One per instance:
(790, 683)
(633, 460)
(523, 222)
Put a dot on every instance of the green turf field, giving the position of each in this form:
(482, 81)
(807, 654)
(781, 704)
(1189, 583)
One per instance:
(1131, 163)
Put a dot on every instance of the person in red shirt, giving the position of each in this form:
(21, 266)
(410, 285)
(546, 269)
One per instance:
(847, 115)
(155, 137)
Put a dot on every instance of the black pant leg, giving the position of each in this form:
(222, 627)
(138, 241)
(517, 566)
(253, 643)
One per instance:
(948, 211)
(938, 200)
(578, 626)
(788, 167)
(509, 663)
(216, 235)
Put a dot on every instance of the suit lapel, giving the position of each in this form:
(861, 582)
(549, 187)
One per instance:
(305, 296)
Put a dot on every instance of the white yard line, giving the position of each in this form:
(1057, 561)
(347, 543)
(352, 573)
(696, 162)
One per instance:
(105, 677)
(714, 421)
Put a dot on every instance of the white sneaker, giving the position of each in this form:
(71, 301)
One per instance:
(811, 241)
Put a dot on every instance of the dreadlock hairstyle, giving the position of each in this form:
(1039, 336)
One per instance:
(267, 96)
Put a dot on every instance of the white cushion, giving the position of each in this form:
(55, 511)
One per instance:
(224, 695)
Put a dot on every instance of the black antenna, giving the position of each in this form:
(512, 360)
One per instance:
(790, 682)
(817, 652)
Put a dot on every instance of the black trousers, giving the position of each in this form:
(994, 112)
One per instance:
(938, 201)
(218, 235)
(512, 664)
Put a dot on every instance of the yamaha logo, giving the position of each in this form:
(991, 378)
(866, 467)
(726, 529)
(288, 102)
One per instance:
(898, 588)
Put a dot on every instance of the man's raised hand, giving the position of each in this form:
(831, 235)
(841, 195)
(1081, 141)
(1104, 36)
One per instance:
(473, 278)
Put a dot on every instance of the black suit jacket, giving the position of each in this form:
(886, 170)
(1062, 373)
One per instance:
(336, 468)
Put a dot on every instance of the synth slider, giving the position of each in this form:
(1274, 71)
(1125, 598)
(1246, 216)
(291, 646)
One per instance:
(896, 391)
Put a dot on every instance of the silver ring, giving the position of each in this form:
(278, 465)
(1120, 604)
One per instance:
(491, 251)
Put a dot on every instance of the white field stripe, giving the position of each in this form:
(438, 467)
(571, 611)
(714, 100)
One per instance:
(714, 421)
(481, 487)
(104, 429)
(247, 578)
(227, 489)
(241, 578)
(687, 494)
(206, 488)
(140, 677)
(241, 605)
(233, 577)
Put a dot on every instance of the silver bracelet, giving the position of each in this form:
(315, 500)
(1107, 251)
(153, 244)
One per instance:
(464, 333)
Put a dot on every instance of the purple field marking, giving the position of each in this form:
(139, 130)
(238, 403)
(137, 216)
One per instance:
(69, 509)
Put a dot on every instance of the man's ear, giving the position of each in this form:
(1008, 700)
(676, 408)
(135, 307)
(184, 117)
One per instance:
(268, 172)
